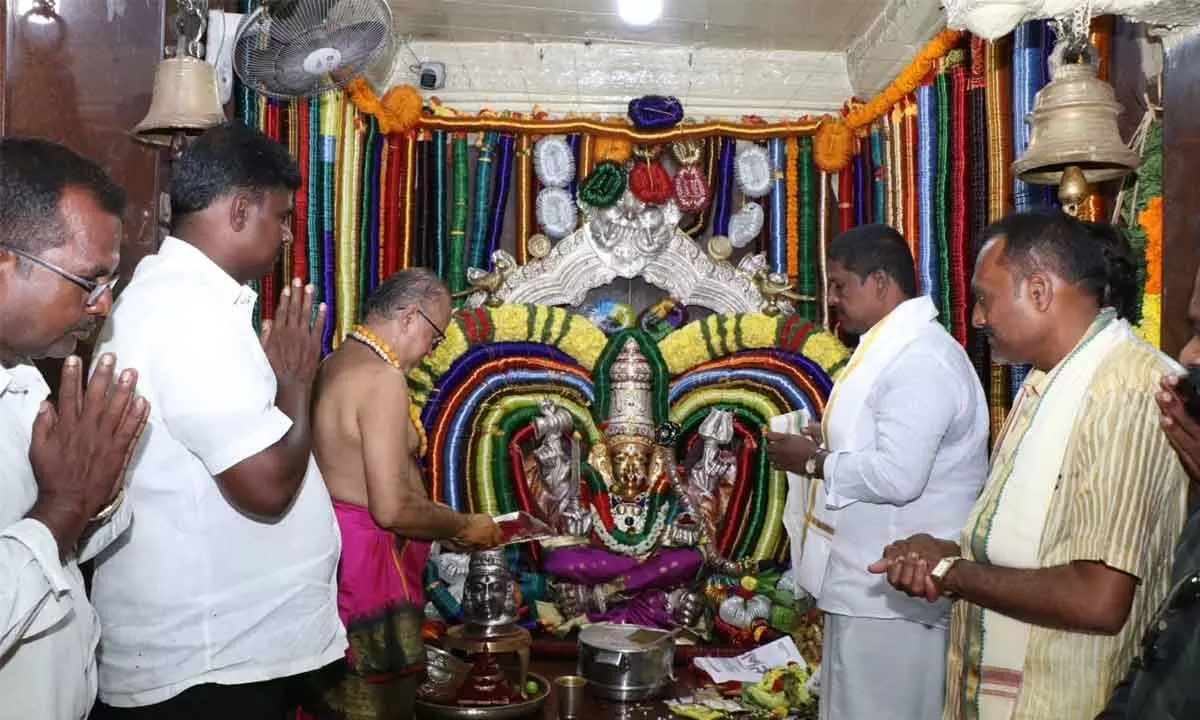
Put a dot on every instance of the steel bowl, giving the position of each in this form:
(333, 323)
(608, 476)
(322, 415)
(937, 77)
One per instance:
(619, 667)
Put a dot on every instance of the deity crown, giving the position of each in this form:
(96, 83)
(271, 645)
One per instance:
(631, 411)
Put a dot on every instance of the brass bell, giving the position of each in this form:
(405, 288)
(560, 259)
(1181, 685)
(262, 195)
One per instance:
(1074, 125)
(185, 101)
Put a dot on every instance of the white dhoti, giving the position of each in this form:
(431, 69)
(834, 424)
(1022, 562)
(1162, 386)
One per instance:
(875, 669)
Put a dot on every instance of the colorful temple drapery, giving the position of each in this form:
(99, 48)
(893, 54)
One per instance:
(930, 156)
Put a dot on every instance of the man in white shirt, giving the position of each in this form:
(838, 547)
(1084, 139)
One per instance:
(903, 445)
(221, 599)
(60, 466)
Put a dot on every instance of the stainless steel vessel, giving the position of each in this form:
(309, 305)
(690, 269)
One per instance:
(626, 662)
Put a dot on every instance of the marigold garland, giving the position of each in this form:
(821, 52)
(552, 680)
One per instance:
(613, 149)
(833, 145)
(792, 223)
(906, 81)
(398, 110)
(1151, 221)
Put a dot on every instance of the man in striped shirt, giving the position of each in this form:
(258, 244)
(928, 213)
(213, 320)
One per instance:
(1067, 551)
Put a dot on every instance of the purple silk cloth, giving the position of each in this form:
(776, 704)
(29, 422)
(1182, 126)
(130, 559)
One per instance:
(591, 565)
(648, 610)
(645, 579)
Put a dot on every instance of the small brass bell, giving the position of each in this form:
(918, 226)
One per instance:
(1074, 125)
(185, 100)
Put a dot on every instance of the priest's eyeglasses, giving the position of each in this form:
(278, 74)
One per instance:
(94, 288)
(438, 336)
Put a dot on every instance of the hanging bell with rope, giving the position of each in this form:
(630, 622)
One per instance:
(185, 100)
(1074, 141)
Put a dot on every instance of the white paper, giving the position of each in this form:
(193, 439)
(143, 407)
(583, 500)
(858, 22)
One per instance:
(750, 667)
(792, 423)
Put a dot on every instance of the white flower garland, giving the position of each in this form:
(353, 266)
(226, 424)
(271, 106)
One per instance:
(556, 212)
(553, 162)
(752, 166)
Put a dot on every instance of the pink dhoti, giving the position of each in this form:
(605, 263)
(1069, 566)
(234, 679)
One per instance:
(380, 596)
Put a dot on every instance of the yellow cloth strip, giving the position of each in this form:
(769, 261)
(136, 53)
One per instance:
(587, 146)
(346, 215)
(524, 162)
(998, 101)
(384, 203)
(896, 169)
(618, 128)
(408, 212)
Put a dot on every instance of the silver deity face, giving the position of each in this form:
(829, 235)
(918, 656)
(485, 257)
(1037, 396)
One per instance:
(626, 235)
(488, 599)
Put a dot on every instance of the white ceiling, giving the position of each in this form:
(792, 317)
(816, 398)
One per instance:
(806, 25)
(774, 57)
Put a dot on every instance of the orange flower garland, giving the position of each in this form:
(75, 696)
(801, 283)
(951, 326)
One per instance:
(833, 145)
(792, 183)
(613, 149)
(397, 111)
(1151, 221)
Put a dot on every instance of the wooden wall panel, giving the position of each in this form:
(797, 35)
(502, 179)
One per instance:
(84, 79)
(1181, 188)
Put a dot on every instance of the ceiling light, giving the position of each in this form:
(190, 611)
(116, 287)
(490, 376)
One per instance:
(639, 12)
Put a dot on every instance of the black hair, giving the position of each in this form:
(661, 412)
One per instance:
(412, 286)
(224, 159)
(34, 175)
(866, 249)
(1096, 257)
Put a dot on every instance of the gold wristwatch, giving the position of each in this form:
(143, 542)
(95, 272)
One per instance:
(942, 568)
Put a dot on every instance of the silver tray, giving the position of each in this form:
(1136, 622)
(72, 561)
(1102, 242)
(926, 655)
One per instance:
(525, 708)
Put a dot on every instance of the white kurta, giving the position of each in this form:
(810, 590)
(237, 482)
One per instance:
(908, 429)
(911, 459)
(48, 632)
(197, 592)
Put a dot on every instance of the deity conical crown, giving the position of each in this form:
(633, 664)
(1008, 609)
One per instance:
(631, 410)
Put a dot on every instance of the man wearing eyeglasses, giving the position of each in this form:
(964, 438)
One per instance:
(60, 465)
(369, 447)
(1163, 681)
(221, 600)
